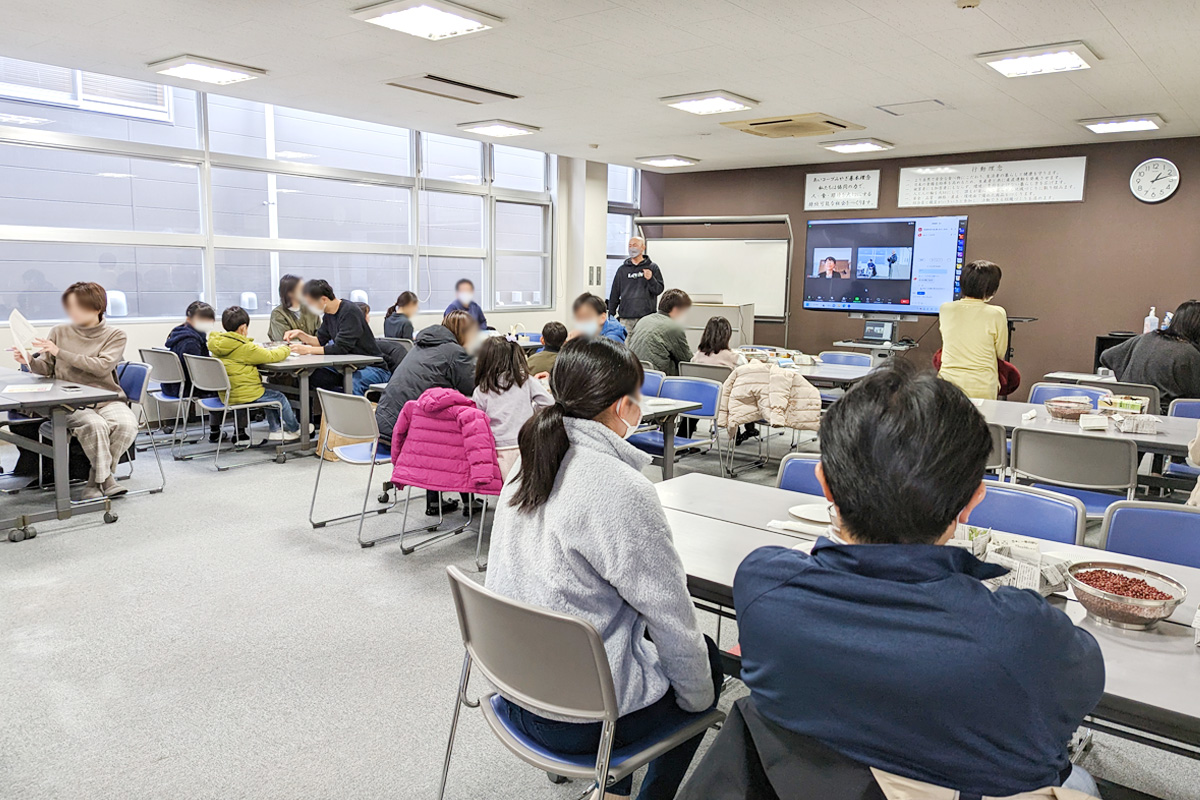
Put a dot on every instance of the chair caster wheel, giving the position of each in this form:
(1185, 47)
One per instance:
(383, 497)
(16, 535)
(31, 532)
(557, 780)
(365, 545)
(109, 517)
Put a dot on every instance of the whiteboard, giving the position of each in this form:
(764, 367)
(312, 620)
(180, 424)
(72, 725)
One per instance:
(740, 270)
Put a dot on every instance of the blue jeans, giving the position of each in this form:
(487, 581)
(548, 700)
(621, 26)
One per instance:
(1081, 781)
(364, 377)
(289, 415)
(663, 775)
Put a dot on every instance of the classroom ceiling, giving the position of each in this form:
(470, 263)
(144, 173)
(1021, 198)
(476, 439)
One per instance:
(589, 72)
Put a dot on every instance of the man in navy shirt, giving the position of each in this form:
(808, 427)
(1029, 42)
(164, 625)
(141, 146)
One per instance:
(884, 644)
(465, 301)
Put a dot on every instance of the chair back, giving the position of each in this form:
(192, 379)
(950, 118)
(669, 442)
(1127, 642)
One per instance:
(998, 458)
(405, 344)
(697, 390)
(538, 658)
(208, 374)
(1030, 511)
(348, 415)
(651, 382)
(798, 473)
(647, 365)
(164, 364)
(1076, 460)
(714, 372)
(1151, 393)
(535, 338)
(1162, 531)
(134, 378)
(1041, 392)
(1181, 407)
(849, 359)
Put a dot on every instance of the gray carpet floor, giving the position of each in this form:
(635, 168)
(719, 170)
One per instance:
(211, 644)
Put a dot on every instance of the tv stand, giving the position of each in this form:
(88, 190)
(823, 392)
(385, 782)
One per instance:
(880, 351)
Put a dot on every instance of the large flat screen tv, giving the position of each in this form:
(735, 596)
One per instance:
(900, 265)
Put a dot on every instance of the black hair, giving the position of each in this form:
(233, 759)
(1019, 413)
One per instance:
(500, 365)
(673, 299)
(589, 375)
(319, 288)
(405, 300)
(363, 307)
(903, 452)
(554, 334)
(716, 336)
(590, 300)
(1185, 324)
(198, 308)
(234, 317)
(287, 285)
(467, 281)
(980, 280)
(828, 258)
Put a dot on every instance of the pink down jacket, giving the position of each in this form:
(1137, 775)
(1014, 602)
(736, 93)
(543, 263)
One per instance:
(443, 442)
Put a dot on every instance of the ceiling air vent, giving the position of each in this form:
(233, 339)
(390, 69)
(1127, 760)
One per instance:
(451, 89)
(797, 125)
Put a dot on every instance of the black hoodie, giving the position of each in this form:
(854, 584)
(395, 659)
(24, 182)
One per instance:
(633, 296)
(437, 360)
(184, 340)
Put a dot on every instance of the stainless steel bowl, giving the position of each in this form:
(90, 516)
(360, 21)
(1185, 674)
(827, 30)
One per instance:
(1119, 610)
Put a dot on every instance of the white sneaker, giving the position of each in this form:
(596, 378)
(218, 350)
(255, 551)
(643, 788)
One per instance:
(283, 436)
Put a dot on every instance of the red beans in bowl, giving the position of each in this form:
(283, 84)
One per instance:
(1113, 583)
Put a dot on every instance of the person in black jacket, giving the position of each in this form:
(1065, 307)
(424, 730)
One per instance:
(191, 338)
(635, 287)
(1168, 359)
(397, 321)
(343, 331)
(439, 359)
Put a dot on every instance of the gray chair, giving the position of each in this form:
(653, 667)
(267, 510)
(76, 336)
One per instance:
(1151, 393)
(647, 365)
(406, 344)
(998, 458)
(208, 375)
(165, 368)
(553, 663)
(1087, 467)
(351, 417)
(714, 372)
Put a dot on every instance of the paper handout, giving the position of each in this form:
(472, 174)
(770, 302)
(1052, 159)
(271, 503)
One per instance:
(23, 334)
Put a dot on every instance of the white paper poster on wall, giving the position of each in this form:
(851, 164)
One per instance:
(1038, 180)
(831, 191)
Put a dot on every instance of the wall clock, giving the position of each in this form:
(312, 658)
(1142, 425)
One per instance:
(1154, 180)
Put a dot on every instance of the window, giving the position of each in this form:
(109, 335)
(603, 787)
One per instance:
(252, 276)
(514, 168)
(622, 185)
(521, 254)
(448, 158)
(88, 91)
(436, 276)
(451, 220)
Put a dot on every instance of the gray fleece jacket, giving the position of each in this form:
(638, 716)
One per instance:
(621, 573)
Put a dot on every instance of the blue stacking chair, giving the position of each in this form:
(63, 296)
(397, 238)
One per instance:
(1191, 410)
(536, 338)
(798, 473)
(1088, 468)
(549, 662)
(134, 378)
(1041, 392)
(700, 390)
(652, 381)
(849, 359)
(1030, 511)
(1162, 531)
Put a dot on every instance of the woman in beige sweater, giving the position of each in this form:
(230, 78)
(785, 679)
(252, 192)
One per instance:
(87, 351)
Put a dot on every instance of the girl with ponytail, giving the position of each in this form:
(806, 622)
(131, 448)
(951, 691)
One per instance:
(579, 530)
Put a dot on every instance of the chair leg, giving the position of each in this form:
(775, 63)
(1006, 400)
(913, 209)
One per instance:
(217, 455)
(367, 493)
(438, 535)
(460, 700)
(480, 567)
(316, 486)
(145, 425)
(604, 757)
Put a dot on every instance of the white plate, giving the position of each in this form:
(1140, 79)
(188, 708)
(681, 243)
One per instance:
(811, 512)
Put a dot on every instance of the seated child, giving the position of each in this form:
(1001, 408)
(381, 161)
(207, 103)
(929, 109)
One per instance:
(507, 393)
(241, 357)
(397, 320)
(554, 336)
(191, 338)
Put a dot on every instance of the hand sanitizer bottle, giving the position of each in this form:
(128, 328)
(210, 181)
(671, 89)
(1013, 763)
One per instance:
(1151, 321)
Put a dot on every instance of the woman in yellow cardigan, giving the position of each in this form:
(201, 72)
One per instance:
(974, 333)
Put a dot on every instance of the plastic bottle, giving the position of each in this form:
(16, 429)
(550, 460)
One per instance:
(1167, 317)
(1151, 321)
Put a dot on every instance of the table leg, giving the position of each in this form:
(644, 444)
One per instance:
(305, 410)
(348, 379)
(668, 429)
(62, 467)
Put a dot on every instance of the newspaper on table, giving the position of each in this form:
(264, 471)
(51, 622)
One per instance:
(1196, 626)
(1028, 567)
(23, 334)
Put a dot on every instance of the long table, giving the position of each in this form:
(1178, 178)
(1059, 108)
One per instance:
(55, 403)
(1153, 677)
(302, 368)
(665, 412)
(842, 375)
(1174, 433)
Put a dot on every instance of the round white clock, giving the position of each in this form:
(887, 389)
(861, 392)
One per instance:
(1154, 180)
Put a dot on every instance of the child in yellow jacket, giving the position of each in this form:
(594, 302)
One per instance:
(241, 357)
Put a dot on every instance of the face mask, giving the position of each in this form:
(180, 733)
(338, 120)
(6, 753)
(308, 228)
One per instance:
(588, 328)
(320, 312)
(465, 298)
(203, 327)
(634, 252)
(631, 429)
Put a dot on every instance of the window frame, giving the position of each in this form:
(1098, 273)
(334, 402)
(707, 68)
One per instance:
(76, 99)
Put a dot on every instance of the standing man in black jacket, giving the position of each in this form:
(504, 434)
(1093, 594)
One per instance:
(635, 287)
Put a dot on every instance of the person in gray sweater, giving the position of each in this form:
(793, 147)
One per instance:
(1168, 359)
(556, 544)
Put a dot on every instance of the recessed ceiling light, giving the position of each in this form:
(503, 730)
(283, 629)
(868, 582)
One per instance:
(715, 102)
(430, 19)
(858, 146)
(669, 160)
(205, 70)
(1043, 60)
(20, 119)
(497, 128)
(1130, 124)
(292, 155)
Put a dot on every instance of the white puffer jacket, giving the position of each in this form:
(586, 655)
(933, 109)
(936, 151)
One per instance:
(761, 391)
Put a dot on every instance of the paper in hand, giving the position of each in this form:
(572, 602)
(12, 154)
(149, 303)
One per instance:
(23, 334)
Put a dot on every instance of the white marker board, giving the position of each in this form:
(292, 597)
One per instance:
(740, 270)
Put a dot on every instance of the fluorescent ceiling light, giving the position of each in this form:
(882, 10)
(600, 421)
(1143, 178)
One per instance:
(670, 160)
(429, 19)
(20, 119)
(714, 102)
(293, 155)
(858, 146)
(497, 128)
(1130, 124)
(1042, 60)
(114, 175)
(205, 70)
